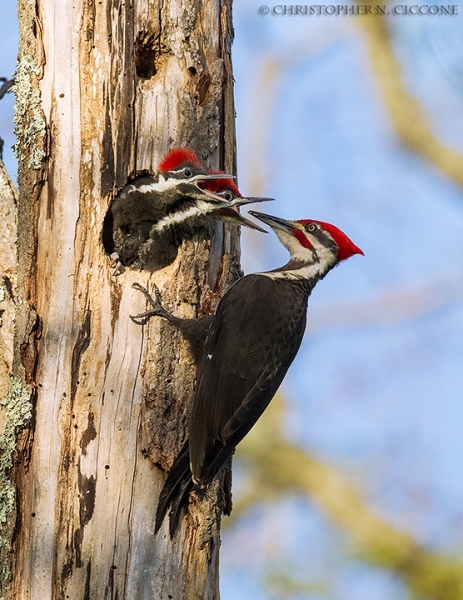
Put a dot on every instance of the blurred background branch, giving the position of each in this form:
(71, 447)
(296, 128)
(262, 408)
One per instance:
(276, 467)
(406, 112)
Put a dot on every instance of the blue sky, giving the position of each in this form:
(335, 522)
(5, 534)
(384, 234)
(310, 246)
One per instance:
(8, 54)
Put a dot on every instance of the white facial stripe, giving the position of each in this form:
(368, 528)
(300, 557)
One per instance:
(198, 209)
(326, 256)
(161, 185)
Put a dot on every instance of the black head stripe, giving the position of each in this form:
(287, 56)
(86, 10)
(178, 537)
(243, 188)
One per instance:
(179, 172)
(322, 236)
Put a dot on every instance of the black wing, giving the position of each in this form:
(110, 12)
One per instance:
(253, 339)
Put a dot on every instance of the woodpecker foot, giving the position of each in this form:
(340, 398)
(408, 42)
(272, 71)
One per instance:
(156, 303)
(116, 263)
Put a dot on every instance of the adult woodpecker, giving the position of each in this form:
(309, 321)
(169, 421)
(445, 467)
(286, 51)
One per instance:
(244, 351)
(150, 217)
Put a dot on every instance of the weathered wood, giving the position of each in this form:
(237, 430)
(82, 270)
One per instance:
(14, 406)
(119, 85)
(8, 273)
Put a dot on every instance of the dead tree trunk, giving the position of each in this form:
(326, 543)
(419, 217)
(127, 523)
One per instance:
(105, 89)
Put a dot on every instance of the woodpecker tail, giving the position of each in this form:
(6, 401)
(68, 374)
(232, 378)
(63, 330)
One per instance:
(178, 505)
(175, 492)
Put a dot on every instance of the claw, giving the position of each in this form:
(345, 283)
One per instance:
(116, 264)
(141, 319)
(142, 289)
(156, 303)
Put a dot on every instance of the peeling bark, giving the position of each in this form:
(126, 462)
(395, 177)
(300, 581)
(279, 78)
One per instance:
(119, 84)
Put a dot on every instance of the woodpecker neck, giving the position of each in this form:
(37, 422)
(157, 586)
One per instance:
(308, 264)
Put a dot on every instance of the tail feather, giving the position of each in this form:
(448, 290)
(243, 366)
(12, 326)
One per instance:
(178, 503)
(175, 491)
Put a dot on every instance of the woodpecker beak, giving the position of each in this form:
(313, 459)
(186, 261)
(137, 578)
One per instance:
(251, 200)
(276, 222)
(207, 177)
(232, 215)
(191, 188)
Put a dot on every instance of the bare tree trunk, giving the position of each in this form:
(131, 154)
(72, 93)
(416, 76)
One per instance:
(105, 89)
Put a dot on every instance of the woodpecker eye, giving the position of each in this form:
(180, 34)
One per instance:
(311, 227)
(228, 196)
(187, 172)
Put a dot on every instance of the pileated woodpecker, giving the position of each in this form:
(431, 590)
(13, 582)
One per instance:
(142, 203)
(150, 217)
(244, 351)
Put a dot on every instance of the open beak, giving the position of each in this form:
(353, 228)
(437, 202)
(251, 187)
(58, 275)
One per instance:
(276, 222)
(232, 215)
(210, 195)
(208, 177)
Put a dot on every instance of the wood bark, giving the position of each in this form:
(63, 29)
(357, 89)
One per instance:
(104, 89)
(8, 272)
(14, 399)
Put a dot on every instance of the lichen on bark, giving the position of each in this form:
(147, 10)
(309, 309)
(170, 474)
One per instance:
(17, 409)
(29, 119)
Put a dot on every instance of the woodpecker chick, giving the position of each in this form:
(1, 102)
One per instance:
(244, 352)
(227, 211)
(141, 204)
(150, 217)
